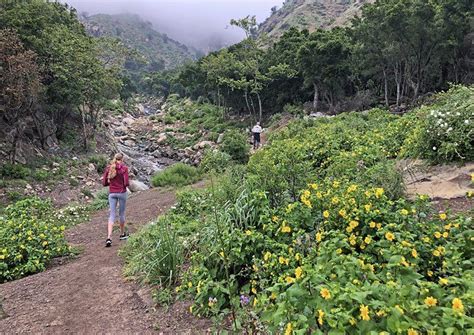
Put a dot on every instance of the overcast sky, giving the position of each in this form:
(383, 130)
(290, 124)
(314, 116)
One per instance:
(193, 22)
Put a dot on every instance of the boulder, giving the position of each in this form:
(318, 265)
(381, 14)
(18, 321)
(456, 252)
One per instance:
(203, 144)
(137, 186)
(162, 138)
(128, 121)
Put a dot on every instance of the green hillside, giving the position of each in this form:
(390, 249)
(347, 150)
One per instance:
(158, 49)
(310, 14)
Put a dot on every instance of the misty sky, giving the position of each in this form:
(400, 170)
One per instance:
(198, 23)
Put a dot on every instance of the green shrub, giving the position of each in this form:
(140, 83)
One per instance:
(41, 175)
(101, 200)
(179, 174)
(14, 171)
(154, 254)
(100, 162)
(30, 236)
(296, 110)
(215, 160)
(445, 130)
(235, 144)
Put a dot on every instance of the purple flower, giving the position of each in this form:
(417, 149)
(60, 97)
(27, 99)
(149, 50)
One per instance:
(244, 300)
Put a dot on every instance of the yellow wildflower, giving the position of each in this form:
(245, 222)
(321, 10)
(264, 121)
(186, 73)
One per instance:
(437, 234)
(436, 253)
(352, 188)
(457, 305)
(443, 281)
(399, 309)
(254, 290)
(289, 329)
(298, 272)
(443, 216)
(430, 273)
(343, 213)
(335, 200)
(389, 236)
(379, 192)
(404, 212)
(267, 256)
(325, 293)
(414, 253)
(286, 229)
(190, 284)
(273, 296)
(326, 214)
(352, 321)
(364, 313)
(339, 251)
(248, 232)
(313, 186)
(297, 257)
(367, 207)
(320, 317)
(352, 240)
(290, 280)
(445, 234)
(275, 218)
(368, 239)
(381, 313)
(319, 236)
(372, 224)
(282, 260)
(430, 301)
(412, 331)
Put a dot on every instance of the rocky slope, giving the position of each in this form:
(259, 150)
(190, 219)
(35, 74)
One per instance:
(311, 15)
(158, 49)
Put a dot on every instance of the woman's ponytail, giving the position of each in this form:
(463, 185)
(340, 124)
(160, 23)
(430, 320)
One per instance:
(113, 165)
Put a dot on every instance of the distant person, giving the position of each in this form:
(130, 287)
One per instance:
(256, 131)
(116, 177)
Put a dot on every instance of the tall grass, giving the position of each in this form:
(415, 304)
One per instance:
(179, 174)
(154, 255)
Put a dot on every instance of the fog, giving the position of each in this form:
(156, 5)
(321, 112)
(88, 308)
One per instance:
(203, 24)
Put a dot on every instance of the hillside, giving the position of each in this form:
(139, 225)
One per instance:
(310, 14)
(159, 50)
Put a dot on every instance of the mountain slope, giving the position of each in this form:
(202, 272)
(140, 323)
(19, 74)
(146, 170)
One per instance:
(159, 50)
(311, 15)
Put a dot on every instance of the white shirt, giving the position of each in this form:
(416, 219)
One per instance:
(257, 129)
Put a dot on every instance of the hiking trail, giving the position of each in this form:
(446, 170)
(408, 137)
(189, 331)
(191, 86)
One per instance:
(88, 294)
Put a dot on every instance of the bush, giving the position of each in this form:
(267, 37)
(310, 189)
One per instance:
(41, 175)
(101, 200)
(445, 130)
(235, 144)
(100, 162)
(30, 237)
(296, 110)
(215, 160)
(14, 171)
(179, 174)
(154, 254)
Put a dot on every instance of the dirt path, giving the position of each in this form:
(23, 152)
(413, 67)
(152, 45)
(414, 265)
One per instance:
(89, 295)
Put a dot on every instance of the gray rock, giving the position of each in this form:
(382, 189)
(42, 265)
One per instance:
(220, 138)
(137, 186)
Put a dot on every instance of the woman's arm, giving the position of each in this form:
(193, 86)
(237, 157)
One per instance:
(125, 178)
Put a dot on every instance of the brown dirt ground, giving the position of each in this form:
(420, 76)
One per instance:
(89, 295)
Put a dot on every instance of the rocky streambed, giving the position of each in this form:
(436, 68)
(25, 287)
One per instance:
(145, 142)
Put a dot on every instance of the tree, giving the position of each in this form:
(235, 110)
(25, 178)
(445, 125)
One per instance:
(19, 85)
(324, 62)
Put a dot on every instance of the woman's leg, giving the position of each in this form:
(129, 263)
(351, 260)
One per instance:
(113, 206)
(122, 207)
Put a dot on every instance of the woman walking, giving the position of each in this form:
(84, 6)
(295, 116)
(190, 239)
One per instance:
(116, 177)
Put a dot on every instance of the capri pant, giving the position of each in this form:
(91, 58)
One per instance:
(121, 198)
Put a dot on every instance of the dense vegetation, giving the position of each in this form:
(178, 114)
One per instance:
(53, 71)
(314, 234)
(158, 51)
(394, 54)
(310, 15)
(31, 234)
